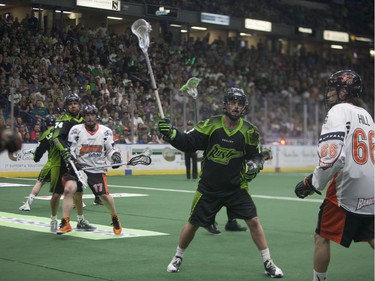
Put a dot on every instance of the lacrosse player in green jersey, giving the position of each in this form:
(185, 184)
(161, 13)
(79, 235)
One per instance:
(44, 144)
(67, 180)
(232, 157)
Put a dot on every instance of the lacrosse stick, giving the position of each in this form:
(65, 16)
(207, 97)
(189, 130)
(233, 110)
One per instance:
(191, 87)
(141, 29)
(81, 175)
(141, 159)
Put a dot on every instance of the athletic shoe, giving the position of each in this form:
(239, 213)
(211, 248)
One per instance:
(174, 265)
(25, 207)
(117, 228)
(213, 230)
(272, 270)
(85, 225)
(233, 225)
(53, 226)
(65, 226)
(98, 201)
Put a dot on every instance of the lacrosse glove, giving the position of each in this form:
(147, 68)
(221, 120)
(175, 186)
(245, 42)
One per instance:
(305, 188)
(166, 129)
(116, 159)
(66, 156)
(253, 168)
(267, 153)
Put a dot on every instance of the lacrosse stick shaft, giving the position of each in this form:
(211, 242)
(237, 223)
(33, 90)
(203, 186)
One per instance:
(104, 166)
(84, 183)
(153, 84)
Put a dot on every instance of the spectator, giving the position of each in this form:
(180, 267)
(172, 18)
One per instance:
(26, 137)
(137, 120)
(118, 127)
(35, 132)
(39, 112)
(126, 136)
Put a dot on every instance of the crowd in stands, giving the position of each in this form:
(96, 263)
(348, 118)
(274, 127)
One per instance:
(38, 69)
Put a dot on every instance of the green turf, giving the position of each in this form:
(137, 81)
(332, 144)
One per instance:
(289, 227)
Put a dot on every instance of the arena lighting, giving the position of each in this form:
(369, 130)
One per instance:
(337, 36)
(338, 47)
(305, 30)
(258, 25)
(64, 12)
(198, 28)
(114, 18)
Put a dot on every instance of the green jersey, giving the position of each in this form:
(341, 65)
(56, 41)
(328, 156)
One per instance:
(45, 144)
(225, 153)
(60, 134)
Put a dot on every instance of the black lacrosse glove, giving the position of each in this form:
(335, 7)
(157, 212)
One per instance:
(116, 159)
(166, 129)
(305, 188)
(253, 168)
(67, 157)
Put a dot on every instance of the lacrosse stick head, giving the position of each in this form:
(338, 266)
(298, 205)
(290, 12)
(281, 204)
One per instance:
(140, 159)
(191, 87)
(141, 29)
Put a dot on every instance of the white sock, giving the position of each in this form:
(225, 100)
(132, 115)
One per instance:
(80, 217)
(320, 276)
(265, 254)
(54, 218)
(30, 199)
(180, 252)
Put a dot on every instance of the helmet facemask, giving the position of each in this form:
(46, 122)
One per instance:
(69, 100)
(236, 95)
(88, 111)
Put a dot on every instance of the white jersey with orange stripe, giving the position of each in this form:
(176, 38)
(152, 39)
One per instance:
(346, 158)
(92, 148)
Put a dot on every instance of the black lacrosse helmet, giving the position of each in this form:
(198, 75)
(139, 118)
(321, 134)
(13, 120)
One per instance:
(346, 83)
(72, 98)
(239, 95)
(50, 120)
(90, 109)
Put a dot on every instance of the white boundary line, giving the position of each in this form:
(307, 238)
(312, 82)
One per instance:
(310, 200)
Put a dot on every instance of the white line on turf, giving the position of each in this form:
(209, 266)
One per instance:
(193, 191)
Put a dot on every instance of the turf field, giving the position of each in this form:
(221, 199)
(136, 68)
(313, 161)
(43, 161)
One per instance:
(153, 210)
